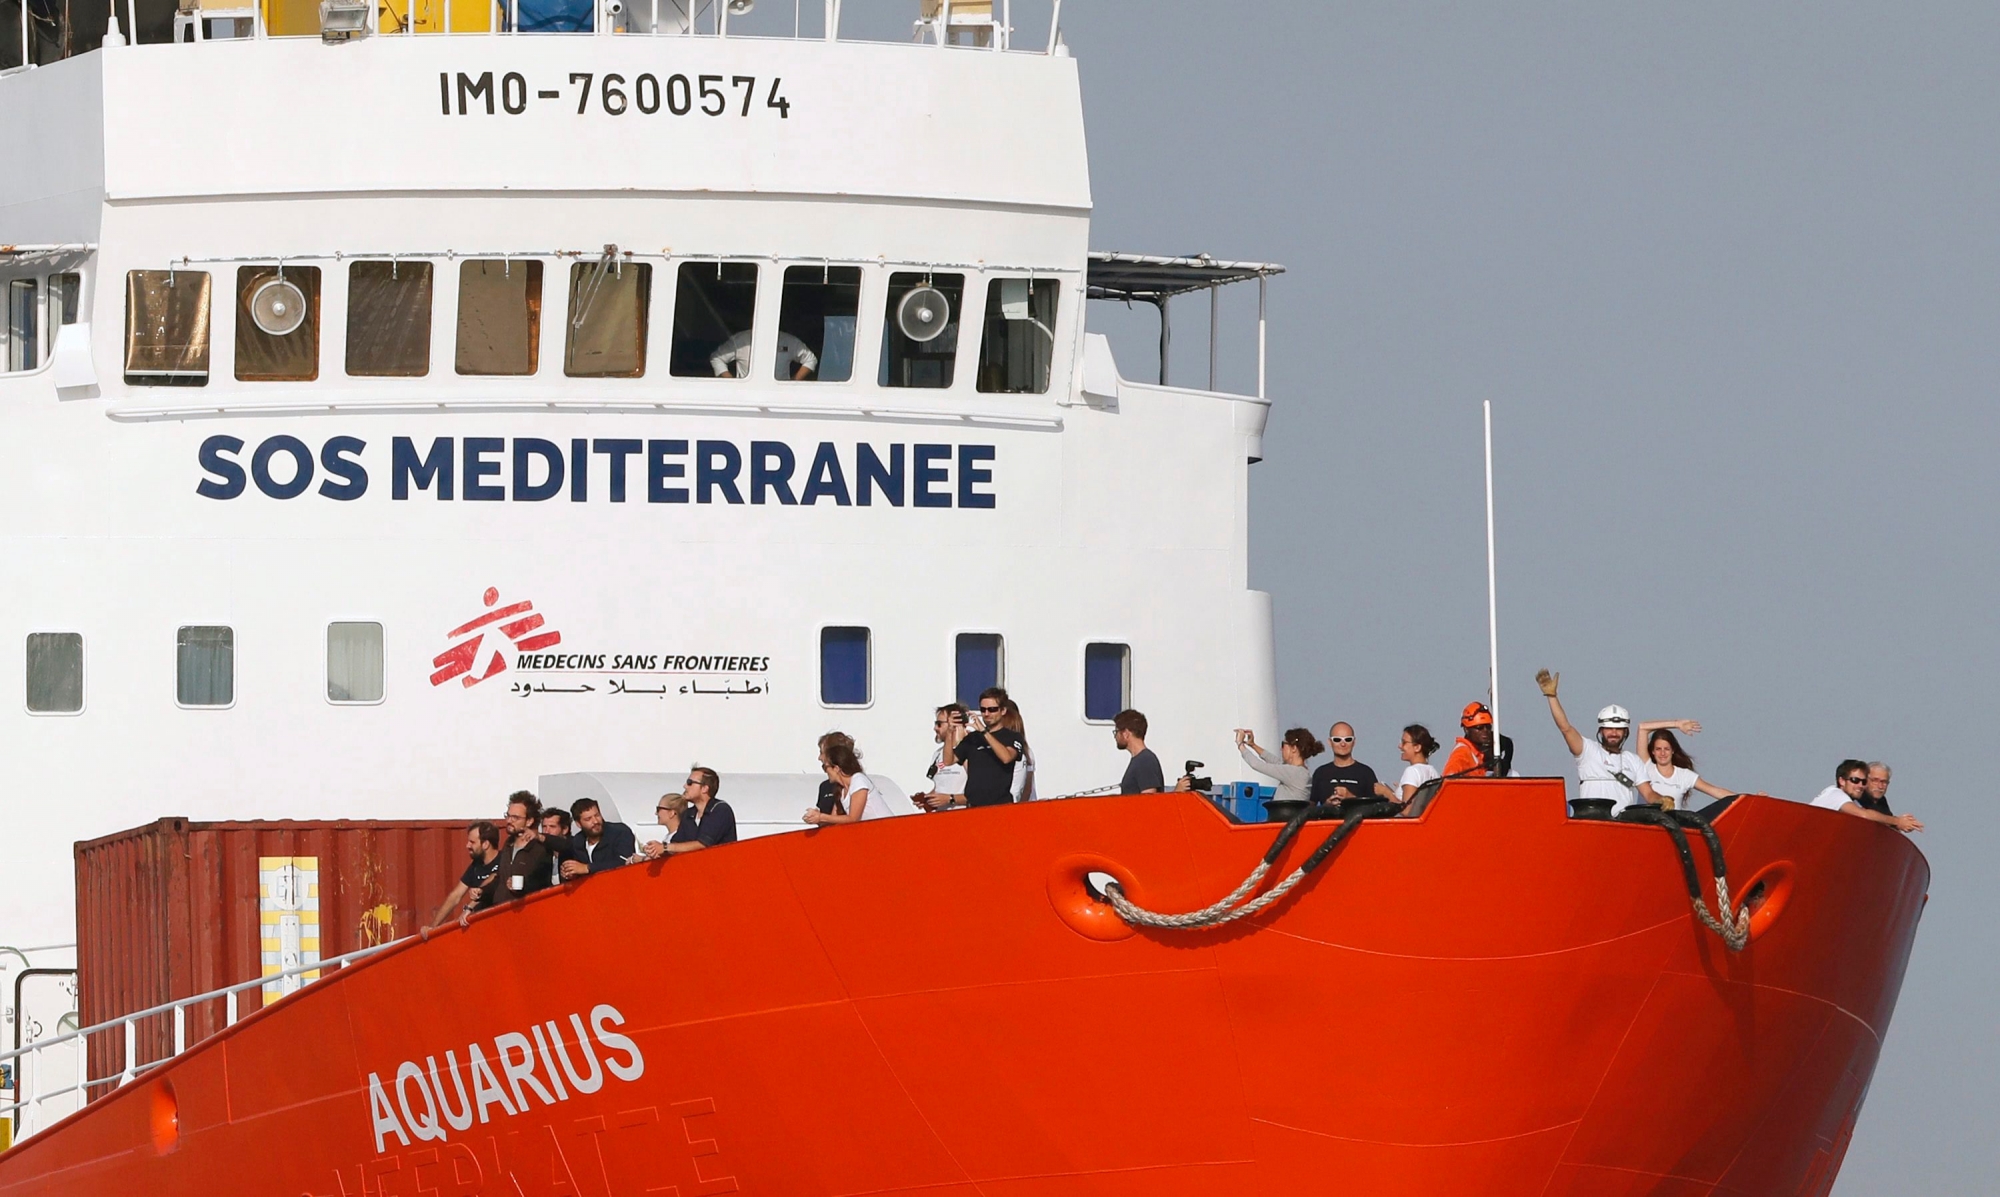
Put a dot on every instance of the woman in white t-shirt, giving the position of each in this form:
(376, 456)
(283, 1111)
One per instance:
(1667, 777)
(842, 766)
(1416, 748)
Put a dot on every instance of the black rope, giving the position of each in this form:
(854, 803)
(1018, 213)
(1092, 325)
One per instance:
(1646, 812)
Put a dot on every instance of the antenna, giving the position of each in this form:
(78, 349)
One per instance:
(1492, 603)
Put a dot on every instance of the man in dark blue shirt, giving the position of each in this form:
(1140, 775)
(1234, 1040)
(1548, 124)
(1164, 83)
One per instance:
(598, 845)
(708, 822)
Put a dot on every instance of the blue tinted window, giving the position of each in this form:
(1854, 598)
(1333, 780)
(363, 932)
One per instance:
(1107, 680)
(978, 665)
(843, 667)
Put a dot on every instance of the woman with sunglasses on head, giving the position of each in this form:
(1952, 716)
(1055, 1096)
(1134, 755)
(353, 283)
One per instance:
(843, 768)
(1288, 768)
(1667, 775)
(988, 746)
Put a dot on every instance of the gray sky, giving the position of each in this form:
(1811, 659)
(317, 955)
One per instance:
(1728, 274)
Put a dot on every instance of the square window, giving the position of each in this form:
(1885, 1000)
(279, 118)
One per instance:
(389, 319)
(980, 665)
(166, 328)
(1020, 336)
(21, 348)
(920, 329)
(55, 673)
(499, 316)
(1107, 681)
(205, 666)
(843, 667)
(715, 303)
(277, 323)
(354, 662)
(607, 319)
(816, 324)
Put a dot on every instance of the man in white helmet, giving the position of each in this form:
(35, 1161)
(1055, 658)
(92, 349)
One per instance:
(1605, 768)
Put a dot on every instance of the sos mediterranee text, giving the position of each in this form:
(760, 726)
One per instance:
(529, 469)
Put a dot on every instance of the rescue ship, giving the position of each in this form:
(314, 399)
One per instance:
(325, 500)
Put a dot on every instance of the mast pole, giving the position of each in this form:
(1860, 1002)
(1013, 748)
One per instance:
(1492, 598)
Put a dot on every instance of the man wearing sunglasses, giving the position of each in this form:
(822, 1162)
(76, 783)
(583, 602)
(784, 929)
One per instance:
(1343, 778)
(708, 822)
(1850, 786)
(987, 746)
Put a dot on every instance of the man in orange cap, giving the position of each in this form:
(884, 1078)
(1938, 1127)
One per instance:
(1475, 743)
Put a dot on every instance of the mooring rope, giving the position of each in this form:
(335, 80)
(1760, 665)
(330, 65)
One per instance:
(1732, 924)
(1226, 909)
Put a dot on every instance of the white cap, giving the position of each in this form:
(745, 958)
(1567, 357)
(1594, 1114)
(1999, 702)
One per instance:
(1614, 716)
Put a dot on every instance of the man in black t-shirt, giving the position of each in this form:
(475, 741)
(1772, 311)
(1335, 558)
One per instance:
(988, 752)
(482, 846)
(1343, 777)
(1143, 774)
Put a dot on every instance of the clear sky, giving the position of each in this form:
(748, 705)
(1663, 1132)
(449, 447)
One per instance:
(1728, 274)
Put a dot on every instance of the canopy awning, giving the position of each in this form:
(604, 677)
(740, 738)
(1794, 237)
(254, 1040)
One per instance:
(1156, 280)
(1152, 279)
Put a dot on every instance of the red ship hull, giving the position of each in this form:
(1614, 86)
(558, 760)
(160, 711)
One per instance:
(1491, 999)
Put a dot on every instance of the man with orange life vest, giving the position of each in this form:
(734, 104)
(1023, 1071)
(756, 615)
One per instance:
(1474, 755)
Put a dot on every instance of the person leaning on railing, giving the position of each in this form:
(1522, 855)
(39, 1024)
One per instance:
(475, 890)
(1850, 786)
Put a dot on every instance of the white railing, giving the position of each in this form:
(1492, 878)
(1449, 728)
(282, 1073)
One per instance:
(984, 24)
(24, 1106)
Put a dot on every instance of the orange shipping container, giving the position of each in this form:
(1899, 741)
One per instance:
(177, 908)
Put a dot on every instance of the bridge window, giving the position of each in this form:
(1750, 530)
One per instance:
(354, 662)
(55, 673)
(1107, 681)
(277, 323)
(21, 347)
(981, 663)
(499, 316)
(920, 333)
(166, 328)
(816, 323)
(65, 303)
(205, 666)
(1020, 336)
(714, 306)
(607, 319)
(843, 667)
(389, 319)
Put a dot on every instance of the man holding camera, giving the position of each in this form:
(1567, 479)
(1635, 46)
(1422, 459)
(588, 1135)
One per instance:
(988, 747)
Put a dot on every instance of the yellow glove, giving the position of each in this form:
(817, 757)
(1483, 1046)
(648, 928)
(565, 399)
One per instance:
(1547, 681)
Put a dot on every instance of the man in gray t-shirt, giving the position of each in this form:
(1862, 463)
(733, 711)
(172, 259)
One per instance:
(1143, 774)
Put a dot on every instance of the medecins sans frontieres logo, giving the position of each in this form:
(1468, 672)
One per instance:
(518, 622)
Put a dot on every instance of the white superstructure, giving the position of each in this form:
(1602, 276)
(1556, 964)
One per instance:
(487, 513)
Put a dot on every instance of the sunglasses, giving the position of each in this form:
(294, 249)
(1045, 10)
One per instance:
(989, 710)
(1855, 781)
(1340, 739)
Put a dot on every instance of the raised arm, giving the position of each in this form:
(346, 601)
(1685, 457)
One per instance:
(1687, 727)
(1548, 681)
